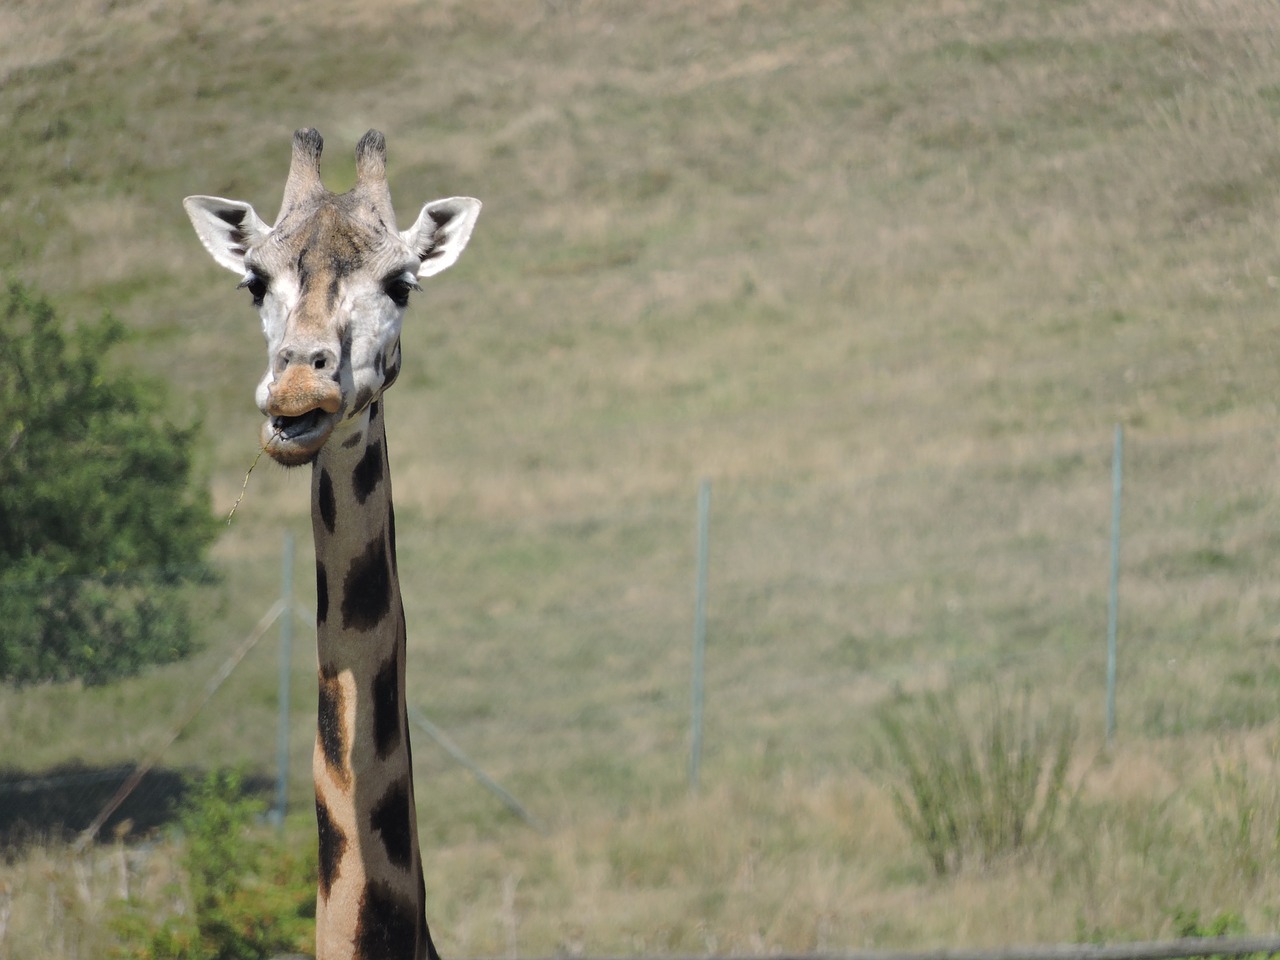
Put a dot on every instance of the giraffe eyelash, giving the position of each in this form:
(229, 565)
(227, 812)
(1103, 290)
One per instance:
(257, 286)
(398, 286)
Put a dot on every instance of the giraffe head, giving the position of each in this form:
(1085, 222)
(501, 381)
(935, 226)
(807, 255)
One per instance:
(330, 279)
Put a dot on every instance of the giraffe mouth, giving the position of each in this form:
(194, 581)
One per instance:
(291, 428)
(294, 441)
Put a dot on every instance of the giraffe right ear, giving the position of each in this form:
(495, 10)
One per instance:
(227, 228)
(441, 233)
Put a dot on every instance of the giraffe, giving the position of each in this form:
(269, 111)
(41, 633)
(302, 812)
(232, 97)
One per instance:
(331, 280)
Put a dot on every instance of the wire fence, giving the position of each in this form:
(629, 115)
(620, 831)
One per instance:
(1140, 950)
(994, 569)
(560, 649)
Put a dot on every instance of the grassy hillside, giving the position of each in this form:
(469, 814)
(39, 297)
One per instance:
(887, 274)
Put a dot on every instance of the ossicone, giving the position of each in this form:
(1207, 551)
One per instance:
(304, 168)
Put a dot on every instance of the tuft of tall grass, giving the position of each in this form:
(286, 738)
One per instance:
(1241, 816)
(977, 790)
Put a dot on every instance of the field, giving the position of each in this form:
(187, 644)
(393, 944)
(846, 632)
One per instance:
(886, 274)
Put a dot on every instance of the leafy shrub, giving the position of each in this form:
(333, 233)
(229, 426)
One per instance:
(984, 792)
(248, 898)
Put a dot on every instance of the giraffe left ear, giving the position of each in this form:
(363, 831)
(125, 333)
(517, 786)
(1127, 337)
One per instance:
(227, 228)
(441, 233)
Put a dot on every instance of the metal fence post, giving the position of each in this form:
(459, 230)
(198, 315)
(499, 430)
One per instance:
(699, 633)
(1113, 604)
(286, 659)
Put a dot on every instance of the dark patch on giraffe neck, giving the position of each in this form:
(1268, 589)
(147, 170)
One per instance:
(322, 594)
(329, 731)
(392, 819)
(368, 473)
(333, 844)
(388, 711)
(386, 925)
(366, 590)
(325, 500)
(353, 440)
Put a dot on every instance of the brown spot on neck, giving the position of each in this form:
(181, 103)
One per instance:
(330, 733)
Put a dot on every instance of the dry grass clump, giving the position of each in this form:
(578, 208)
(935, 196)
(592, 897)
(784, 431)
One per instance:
(978, 790)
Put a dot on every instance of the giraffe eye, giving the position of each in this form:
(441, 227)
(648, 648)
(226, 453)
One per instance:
(399, 287)
(257, 285)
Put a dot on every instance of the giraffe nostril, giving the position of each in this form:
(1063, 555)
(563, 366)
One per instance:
(319, 359)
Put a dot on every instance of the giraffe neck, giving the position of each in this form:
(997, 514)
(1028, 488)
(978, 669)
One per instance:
(370, 898)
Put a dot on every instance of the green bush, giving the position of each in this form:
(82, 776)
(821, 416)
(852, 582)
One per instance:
(248, 897)
(1187, 925)
(100, 523)
(983, 791)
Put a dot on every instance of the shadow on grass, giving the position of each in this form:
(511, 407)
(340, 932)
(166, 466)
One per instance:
(62, 801)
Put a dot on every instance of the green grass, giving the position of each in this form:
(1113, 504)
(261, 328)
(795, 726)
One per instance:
(887, 274)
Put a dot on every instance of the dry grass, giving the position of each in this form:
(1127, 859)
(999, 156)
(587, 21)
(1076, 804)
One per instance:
(887, 274)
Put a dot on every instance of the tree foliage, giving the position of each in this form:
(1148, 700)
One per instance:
(100, 524)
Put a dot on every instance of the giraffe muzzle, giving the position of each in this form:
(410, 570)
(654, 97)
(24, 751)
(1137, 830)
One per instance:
(303, 407)
(300, 390)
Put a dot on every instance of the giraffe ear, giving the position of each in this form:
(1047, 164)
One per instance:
(441, 233)
(227, 228)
